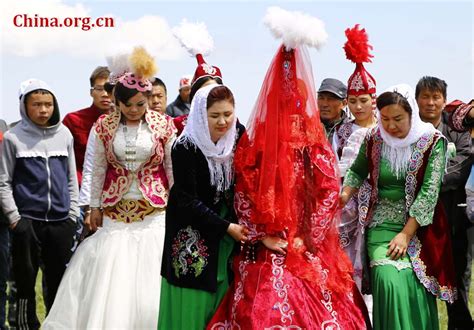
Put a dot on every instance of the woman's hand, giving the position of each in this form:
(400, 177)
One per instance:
(276, 244)
(95, 219)
(345, 195)
(398, 246)
(238, 232)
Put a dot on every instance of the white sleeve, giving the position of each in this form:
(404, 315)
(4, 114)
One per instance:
(72, 181)
(85, 193)
(335, 143)
(98, 173)
(351, 150)
(168, 164)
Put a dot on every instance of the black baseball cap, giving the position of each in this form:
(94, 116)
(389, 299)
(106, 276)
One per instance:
(333, 86)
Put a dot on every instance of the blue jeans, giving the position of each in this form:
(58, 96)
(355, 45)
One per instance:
(4, 270)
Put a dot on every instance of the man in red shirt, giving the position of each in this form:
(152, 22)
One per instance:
(80, 122)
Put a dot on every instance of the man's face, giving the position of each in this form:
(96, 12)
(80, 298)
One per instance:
(39, 108)
(99, 95)
(330, 106)
(157, 99)
(431, 104)
(184, 93)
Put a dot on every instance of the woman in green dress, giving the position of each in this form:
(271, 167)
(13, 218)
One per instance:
(201, 227)
(398, 173)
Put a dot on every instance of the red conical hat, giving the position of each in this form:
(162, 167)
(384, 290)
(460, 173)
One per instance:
(357, 50)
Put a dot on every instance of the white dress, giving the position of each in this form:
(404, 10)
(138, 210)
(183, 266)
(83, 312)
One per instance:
(113, 280)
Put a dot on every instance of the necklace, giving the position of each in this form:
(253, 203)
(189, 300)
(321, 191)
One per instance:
(131, 147)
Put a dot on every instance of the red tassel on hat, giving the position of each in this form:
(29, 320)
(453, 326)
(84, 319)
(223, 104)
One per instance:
(357, 45)
(357, 50)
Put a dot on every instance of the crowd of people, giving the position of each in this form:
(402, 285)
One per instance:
(335, 208)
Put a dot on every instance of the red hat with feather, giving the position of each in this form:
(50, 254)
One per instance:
(198, 42)
(357, 50)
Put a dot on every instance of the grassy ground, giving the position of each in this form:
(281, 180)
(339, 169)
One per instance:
(443, 316)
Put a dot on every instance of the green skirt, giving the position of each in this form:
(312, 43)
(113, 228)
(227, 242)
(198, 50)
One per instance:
(400, 301)
(184, 308)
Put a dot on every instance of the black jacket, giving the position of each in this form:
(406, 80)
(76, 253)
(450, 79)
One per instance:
(193, 225)
(453, 192)
(459, 167)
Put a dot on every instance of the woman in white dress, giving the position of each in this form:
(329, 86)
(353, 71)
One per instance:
(113, 280)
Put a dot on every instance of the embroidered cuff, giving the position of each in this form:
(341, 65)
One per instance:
(352, 180)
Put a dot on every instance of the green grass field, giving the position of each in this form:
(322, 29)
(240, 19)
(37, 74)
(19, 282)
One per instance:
(443, 317)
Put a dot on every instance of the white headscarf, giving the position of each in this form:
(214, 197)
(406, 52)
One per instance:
(219, 155)
(398, 151)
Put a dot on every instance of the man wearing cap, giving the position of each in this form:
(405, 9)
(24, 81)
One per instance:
(181, 105)
(332, 96)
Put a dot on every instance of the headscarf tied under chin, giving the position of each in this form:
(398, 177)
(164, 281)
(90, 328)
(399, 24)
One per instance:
(398, 151)
(219, 155)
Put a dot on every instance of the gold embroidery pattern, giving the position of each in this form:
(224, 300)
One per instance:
(129, 211)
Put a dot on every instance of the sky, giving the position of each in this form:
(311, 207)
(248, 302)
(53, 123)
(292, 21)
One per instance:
(410, 39)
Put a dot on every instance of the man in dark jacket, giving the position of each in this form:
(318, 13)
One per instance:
(332, 99)
(431, 98)
(181, 105)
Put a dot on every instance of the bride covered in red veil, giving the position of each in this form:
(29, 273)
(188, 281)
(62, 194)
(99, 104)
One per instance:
(292, 273)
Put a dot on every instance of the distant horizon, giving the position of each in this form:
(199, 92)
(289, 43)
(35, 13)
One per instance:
(410, 40)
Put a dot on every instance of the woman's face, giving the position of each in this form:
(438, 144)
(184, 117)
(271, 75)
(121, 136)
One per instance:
(395, 120)
(360, 106)
(134, 109)
(220, 117)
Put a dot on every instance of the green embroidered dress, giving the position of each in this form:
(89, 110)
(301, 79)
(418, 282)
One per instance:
(186, 308)
(400, 301)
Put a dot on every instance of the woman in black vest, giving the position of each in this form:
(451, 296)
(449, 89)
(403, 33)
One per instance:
(201, 228)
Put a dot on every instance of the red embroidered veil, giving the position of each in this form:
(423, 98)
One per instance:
(286, 168)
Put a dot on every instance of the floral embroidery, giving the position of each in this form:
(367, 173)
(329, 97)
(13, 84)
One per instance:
(208, 69)
(415, 163)
(320, 219)
(429, 282)
(457, 118)
(239, 292)
(357, 83)
(332, 324)
(423, 206)
(399, 265)
(243, 210)
(343, 133)
(387, 210)
(188, 253)
(151, 174)
(281, 289)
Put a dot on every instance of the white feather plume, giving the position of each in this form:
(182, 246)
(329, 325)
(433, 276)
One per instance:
(295, 28)
(194, 37)
(118, 63)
